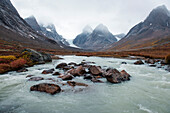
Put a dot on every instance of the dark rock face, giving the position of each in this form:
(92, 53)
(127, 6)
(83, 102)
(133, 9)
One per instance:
(37, 57)
(45, 87)
(96, 40)
(155, 28)
(46, 30)
(139, 62)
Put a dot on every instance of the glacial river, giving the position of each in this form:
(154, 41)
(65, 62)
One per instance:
(148, 91)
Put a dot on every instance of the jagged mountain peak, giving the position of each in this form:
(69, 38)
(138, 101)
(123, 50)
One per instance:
(101, 28)
(87, 29)
(161, 9)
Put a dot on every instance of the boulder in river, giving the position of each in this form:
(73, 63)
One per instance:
(73, 84)
(48, 71)
(36, 79)
(56, 73)
(139, 62)
(28, 76)
(22, 70)
(61, 65)
(125, 75)
(45, 87)
(88, 76)
(113, 76)
(67, 77)
(77, 72)
(150, 61)
(95, 70)
(95, 80)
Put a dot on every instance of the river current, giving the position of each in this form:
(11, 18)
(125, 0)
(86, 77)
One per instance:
(148, 91)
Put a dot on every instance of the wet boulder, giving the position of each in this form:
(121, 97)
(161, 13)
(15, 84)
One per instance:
(73, 84)
(150, 61)
(72, 63)
(22, 70)
(139, 62)
(61, 65)
(95, 80)
(47, 88)
(56, 73)
(125, 75)
(123, 63)
(48, 71)
(95, 70)
(113, 76)
(28, 76)
(67, 77)
(77, 72)
(35, 79)
(88, 76)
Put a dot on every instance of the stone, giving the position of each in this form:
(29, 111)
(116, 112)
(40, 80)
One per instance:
(95, 70)
(95, 80)
(22, 70)
(56, 73)
(36, 79)
(73, 84)
(61, 65)
(28, 76)
(139, 62)
(125, 75)
(67, 77)
(48, 71)
(47, 88)
(77, 72)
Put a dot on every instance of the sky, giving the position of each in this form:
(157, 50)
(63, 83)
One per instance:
(71, 16)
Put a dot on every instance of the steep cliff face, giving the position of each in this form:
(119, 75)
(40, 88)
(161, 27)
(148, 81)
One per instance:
(12, 23)
(154, 31)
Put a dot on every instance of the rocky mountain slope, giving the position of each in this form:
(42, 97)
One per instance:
(152, 32)
(14, 29)
(97, 39)
(46, 30)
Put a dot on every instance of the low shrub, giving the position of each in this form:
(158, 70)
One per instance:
(10, 57)
(19, 63)
(4, 68)
(167, 59)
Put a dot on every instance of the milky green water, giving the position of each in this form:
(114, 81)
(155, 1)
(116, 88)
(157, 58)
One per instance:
(148, 91)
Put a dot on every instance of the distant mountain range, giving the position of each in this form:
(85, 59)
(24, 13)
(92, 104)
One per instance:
(153, 32)
(96, 39)
(48, 30)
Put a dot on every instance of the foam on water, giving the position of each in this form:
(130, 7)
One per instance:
(148, 91)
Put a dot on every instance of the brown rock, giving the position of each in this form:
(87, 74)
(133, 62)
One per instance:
(48, 71)
(22, 70)
(56, 73)
(29, 76)
(73, 84)
(95, 70)
(61, 65)
(150, 61)
(36, 79)
(67, 77)
(139, 62)
(113, 76)
(125, 75)
(72, 63)
(95, 80)
(78, 71)
(88, 76)
(45, 87)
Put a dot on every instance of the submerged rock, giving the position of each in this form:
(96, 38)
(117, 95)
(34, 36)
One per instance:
(67, 77)
(45, 87)
(95, 80)
(22, 70)
(36, 79)
(61, 65)
(73, 84)
(29, 76)
(56, 73)
(48, 71)
(139, 62)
